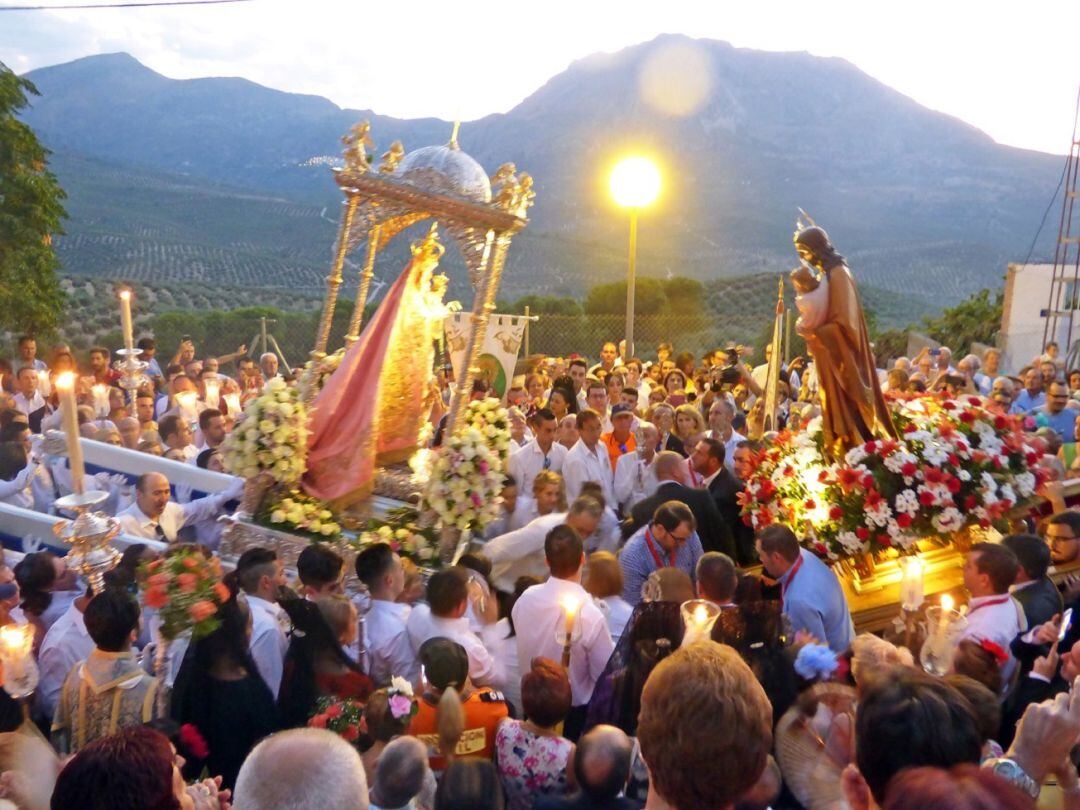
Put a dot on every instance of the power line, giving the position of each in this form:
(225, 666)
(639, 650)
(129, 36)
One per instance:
(123, 5)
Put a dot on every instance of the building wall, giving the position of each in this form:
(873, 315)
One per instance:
(1027, 293)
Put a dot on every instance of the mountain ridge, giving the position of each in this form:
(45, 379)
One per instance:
(922, 203)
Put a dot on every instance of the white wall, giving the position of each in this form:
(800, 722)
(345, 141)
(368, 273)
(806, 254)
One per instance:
(1027, 293)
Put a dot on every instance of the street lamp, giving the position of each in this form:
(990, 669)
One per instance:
(634, 183)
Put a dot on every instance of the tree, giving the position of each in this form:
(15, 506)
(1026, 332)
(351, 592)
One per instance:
(976, 320)
(30, 213)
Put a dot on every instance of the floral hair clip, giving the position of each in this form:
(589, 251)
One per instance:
(402, 701)
(996, 650)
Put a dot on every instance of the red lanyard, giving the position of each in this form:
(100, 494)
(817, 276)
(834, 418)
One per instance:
(1000, 601)
(695, 479)
(791, 577)
(655, 554)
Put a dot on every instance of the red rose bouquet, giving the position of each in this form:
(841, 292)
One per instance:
(343, 717)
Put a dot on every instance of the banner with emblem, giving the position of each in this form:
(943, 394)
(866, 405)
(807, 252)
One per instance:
(498, 355)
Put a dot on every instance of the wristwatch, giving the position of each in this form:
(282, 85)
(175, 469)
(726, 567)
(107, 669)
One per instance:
(1008, 770)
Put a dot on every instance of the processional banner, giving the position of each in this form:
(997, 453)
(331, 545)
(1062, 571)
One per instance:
(498, 355)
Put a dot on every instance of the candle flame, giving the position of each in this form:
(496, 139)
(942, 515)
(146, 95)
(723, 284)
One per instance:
(125, 294)
(65, 380)
(570, 604)
(701, 615)
(99, 389)
(946, 603)
(14, 636)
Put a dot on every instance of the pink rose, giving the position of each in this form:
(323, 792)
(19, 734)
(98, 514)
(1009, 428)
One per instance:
(400, 706)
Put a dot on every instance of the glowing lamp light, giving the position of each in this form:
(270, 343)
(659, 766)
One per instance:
(17, 660)
(570, 605)
(635, 182)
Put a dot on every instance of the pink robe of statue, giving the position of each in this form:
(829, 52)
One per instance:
(371, 408)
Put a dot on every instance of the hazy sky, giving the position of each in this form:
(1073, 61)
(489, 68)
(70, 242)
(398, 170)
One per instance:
(1010, 68)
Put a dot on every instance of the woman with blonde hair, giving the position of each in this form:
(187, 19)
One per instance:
(604, 581)
(689, 423)
(548, 496)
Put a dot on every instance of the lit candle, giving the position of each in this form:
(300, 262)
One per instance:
(101, 400)
(125, 319)
(187, 402)
(570, 606)
(69, 419)
(212, 393)
(44, 386)
(911, 583)
(17, 660)
(946, 612)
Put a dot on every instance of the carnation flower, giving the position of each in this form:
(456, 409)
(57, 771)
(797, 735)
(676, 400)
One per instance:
(815, 662)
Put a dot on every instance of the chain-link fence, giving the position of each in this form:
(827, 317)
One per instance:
(292, 335)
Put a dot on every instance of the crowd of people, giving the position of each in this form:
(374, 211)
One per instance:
(475, 687)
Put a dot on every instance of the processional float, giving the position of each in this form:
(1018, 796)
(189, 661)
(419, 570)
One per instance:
(481, 214)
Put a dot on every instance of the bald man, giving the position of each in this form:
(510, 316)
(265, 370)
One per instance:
(602, 766)
(154, 516)
(670, 470)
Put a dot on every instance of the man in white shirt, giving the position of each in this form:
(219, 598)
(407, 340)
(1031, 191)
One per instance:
(448, 597)
(993, 614)
(65, 644)
(176, 434)
(385, 636)
(609, 359)
(635, 478)
(542, 453)
(28, 356)
(588, 459)
(262, 575)
(28, 399)
(540, 615)
(596, 398)
(521, 553)
(721, 413)
(154, 517)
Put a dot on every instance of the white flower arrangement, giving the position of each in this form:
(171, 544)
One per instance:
(271, 436)
(297, 512)
(468, 470)
(401, 529)
(311, 384)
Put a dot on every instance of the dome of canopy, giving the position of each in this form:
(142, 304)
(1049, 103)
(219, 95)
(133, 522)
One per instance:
(446, 170)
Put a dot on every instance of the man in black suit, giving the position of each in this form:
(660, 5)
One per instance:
(670, 470)
(602, 767)
(708, 460)
(1034, 590)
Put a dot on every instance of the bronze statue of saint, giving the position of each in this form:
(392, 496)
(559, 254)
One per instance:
(831, 320)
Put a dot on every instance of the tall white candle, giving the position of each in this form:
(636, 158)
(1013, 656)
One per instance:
(125, 319)
(101, 400)
(911, 583)
(44, 386)
(69, 418)
(213, 387)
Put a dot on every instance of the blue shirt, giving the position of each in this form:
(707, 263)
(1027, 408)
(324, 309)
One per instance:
(814, 602)
(1063, 422)
(637, 562)
(1025, 402)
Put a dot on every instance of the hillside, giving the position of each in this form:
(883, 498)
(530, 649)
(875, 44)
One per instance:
(208, 178)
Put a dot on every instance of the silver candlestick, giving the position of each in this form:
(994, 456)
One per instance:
(132, 372)
(89, 536)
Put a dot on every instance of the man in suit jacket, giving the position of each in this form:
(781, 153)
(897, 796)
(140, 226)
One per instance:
(670, 469)
(1034, 590)
(708, 460)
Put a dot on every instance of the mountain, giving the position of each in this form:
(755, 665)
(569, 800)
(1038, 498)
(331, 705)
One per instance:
(920, 202)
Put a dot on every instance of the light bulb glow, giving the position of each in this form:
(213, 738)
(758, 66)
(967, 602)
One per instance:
(635, 182)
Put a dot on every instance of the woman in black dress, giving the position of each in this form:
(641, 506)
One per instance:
(220, 692)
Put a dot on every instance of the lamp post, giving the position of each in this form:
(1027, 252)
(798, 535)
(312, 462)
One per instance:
(634, 183)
